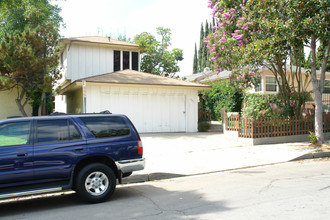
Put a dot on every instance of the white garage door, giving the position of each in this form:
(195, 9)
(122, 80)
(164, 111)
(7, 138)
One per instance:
(150, 111)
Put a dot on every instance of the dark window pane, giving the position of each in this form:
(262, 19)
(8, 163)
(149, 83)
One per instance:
(135, 61)
(16, 133)
(103, 127)
(125, 60)
(116, 60)
(52, 131)
(326, 87)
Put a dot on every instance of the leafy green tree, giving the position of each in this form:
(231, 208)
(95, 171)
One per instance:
(29, 33)
(157, 59)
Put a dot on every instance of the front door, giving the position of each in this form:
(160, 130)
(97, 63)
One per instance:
(16, 153)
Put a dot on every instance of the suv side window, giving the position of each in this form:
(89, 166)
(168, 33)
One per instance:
(104, 127)
(56, 131)
(15, 133)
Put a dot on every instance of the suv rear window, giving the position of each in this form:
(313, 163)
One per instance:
(15, 133)
(104, 127)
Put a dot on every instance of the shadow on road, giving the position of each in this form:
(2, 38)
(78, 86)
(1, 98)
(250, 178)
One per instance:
(135, 201)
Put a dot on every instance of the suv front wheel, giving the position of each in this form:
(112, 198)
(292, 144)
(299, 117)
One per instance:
(95, 183)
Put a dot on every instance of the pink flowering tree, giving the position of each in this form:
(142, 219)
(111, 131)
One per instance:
(250, 33)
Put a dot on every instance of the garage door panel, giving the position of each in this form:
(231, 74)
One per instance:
(149, 111)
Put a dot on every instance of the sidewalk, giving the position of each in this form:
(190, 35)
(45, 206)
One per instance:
(180, 154)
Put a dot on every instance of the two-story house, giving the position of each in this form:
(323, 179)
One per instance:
(100, 73)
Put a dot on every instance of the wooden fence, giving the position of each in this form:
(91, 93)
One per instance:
(204, 115)
(267, 127)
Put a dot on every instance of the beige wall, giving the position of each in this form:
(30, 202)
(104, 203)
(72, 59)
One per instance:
(8, 107)
(75, 101)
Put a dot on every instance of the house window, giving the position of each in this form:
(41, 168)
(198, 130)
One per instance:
(258, 88)
(271, 84)
(135, 61)
(126, 60)
(326, 87)
(116, 60)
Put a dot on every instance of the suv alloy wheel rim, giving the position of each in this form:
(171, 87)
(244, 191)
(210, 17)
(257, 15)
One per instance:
(96, 183)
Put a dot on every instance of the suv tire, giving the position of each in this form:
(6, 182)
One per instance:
(95, 183)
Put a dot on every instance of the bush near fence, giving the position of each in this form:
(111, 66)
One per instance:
(269, 127)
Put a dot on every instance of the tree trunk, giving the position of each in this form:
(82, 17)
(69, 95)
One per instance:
(20, 96)
(317, 89)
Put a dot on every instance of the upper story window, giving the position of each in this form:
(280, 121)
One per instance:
(15, 133)
(135, 61)
(116, 60)
(125, 60)
(271, 84)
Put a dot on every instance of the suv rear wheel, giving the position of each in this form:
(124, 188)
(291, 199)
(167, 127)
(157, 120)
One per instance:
(95, 183)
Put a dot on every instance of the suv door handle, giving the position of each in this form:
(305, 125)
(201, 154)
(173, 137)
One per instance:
(79, 149)
(21, 155)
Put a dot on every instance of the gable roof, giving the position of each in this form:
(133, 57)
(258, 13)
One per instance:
(99, 40)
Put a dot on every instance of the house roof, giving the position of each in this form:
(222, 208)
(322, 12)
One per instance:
(222, 75)
(136, 77)
(132, 77)
(197, 77)
(208, 76)
(99, 40)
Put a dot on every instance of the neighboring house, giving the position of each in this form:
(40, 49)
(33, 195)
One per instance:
(110, 71)
(268, 84)
(8, 106)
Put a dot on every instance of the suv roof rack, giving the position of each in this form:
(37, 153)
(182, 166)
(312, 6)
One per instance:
(62, 113)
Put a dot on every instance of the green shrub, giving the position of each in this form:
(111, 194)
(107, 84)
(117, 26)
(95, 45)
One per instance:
(258, 105)
(312, 138)
(221, 95)
(203, 126)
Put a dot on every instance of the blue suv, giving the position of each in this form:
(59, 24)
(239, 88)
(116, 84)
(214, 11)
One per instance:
(87, 153)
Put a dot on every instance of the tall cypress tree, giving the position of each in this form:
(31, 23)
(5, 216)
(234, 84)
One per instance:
(195, 65)
(200, 51)
(205, 50)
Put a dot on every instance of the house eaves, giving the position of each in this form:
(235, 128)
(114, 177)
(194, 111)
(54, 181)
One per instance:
(103, 41)
(132, 77)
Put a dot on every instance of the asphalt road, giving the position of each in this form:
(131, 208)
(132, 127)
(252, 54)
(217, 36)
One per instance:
(293, 190)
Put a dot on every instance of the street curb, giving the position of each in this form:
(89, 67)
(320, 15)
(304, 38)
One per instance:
(161, 176)
(313, 156)
(141, 178)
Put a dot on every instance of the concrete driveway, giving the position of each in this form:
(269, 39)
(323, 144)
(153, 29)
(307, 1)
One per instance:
(179, 154)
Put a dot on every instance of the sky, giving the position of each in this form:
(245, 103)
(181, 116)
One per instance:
(132, 17)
